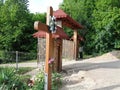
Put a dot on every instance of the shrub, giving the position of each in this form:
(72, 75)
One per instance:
(9, 80)
(39, 82)
(56, 81)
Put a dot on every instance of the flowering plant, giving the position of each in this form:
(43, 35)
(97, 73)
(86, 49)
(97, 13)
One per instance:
(51, 62)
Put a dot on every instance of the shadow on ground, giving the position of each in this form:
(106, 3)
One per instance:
(85, 66)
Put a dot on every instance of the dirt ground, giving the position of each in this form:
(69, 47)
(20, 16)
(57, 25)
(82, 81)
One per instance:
(98, 73)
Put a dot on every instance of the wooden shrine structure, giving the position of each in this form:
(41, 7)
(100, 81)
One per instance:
(54, 40)
(79, 39)
(64, 19)
(57, 46)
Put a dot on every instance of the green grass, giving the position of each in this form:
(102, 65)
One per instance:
(21, 70)
(11, 80)
(29, 61)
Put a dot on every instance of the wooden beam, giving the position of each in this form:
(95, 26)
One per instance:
(40, 26)
(48, 57)
(49, 48)
(43, 27)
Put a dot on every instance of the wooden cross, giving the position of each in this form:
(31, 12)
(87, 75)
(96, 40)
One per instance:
(49, 43)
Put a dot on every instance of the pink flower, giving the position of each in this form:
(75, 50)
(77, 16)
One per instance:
(51, 60)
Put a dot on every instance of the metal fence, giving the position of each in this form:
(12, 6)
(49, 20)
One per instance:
(13, 58)
(19, 59)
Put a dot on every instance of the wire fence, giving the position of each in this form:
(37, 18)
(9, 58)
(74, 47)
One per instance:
(13, 58)
(16, 57)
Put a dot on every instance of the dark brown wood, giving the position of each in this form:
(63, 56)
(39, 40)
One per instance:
(60, 55)
(56, 45)
(60, 49)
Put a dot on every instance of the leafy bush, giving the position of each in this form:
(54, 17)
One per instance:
(9, 80)
(39, 82)
(23, 70)
(56, 81)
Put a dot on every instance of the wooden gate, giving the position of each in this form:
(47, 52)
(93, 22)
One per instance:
(68, 49)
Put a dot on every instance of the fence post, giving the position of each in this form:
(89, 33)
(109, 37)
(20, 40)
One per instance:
(16, 60)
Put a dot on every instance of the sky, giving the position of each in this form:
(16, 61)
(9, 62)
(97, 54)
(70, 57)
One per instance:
(42, 5)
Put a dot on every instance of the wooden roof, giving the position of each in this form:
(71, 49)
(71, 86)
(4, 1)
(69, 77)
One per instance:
(62, 34)
(67, 20)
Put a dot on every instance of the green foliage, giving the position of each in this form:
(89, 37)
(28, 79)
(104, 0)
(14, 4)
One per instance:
(9, 80)
(101, 21)
(40, 81)
(13, 21)
(105, 22)
(20, 71)
(23, 70)
(17, 26)
(56, 81)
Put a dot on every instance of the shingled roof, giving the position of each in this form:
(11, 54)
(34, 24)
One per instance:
(66, 19)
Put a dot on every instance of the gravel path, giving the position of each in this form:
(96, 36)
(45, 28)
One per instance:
(99, 73)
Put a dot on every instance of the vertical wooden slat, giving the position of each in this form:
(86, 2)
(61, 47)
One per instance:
(60, 57)
(55, 55)
(75, 44)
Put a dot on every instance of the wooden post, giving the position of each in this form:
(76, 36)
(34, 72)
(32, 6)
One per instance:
(59, 58)
(78, 48)
(49, 48)
(75, 44)
(49, 44)
(55, 55)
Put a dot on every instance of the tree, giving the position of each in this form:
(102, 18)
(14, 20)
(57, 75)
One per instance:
(17, 26)
(81, 11)
(13, 21)
(100, 19)
(105, 22)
